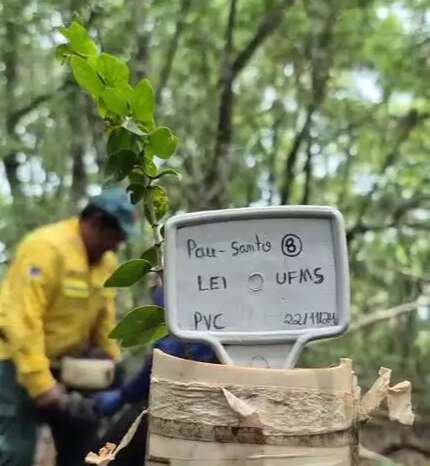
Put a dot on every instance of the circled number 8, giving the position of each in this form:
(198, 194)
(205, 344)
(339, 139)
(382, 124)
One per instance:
(291, 245)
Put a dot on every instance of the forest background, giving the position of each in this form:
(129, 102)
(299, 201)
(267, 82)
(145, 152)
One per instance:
(274, 102)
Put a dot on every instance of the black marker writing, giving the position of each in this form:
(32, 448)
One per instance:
(300, 276)
(199, 252)
(215, 282)
(208, 321)
(311, 319)
(254, 246)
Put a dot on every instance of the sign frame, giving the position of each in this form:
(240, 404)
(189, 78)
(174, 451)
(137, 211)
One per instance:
(293, 340)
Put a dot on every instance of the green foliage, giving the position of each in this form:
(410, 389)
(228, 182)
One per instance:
(150, 255)
(162, 142)
(134, 140)
(112, 70)
(157, 199)
(119, 164)
(142, 326)
(86, 76)
(143, 102)
(80, 42)
(129, 273)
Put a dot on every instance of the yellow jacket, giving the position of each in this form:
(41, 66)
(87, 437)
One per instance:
(52, 303)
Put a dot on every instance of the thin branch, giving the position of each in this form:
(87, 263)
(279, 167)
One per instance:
(229, 38)
(308, 173)
(320, 56)
(224, 129)
(173, 47)
(218, 167)
(266, 27)
(405, 126)
(386, 314)
(293, 154)
(26, 109)
(413, 203)
(362, 228)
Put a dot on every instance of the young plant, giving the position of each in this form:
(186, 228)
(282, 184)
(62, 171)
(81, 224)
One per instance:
(134, 141)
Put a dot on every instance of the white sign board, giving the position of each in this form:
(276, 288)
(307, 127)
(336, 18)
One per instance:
(243, 278)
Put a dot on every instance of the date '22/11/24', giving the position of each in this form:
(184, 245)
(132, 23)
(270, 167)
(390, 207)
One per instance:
(311, 319)
(214, 322)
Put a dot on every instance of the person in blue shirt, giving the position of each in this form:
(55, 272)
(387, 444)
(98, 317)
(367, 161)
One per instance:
(135, 392)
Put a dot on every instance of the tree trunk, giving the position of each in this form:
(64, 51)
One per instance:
(11, 71)
(77, 146)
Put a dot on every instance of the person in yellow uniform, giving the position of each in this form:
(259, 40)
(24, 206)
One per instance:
(53, 304)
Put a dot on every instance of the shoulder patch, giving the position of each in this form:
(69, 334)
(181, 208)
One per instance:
(34, 271)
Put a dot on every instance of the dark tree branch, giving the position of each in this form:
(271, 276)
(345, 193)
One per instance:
(413, 203)
(293, 155)
(173, 47)
(362, 228)
(345, 178)
(143, 37)
(217, 169)
(267, 26)
(274, 151)
(224, 129)
(32, 105)
(383, 315)
(308, 173)
(77, 146)
(229, 38)
(320, 55)
(404, 129)
(11, 73)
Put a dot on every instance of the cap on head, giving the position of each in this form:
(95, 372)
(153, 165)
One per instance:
(115, 202)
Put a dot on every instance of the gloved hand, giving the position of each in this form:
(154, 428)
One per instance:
(54, 398)
(81, 409)
(108, 402)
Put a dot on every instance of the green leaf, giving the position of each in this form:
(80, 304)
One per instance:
(137, 176)
(115, 101)
(121, 139)
(119, 164)
(142, 325)
(86, 77)
(128, 273)
(167, 172)
(131, 126)
(143, 102)
(151, 255)
(150, 168)
(137, 191)
(159, 199)
(62, 52)
(79, 39)
(101, 107)
(112, 70)
(163, 142)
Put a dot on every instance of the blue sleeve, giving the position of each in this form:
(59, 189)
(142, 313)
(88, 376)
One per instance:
(158, 296)
(203, 353)
(137, 388)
